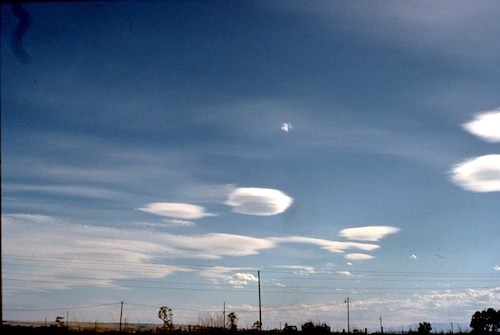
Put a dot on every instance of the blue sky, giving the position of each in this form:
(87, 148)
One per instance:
(162, 153)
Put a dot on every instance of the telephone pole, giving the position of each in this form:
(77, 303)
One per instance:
(381, 327)
(224, 316)
(121, 313)
(260, 305)
(348, 326)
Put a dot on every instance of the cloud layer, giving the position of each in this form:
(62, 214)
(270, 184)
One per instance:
(110, 254)
(101, 252)
(479, 174)
(258, 201)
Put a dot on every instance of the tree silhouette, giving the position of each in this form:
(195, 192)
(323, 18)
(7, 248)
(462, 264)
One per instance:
(256, 325)
(233, 318)
(424, 328)
(309, 328)
(486, 321)
(60, 321)
(166, 314)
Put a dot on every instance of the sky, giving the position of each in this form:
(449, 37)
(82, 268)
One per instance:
(171, 153)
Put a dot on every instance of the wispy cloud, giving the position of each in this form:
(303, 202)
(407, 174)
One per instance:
(344, 273)
(485, 125)
(176, 210)
(91, 255)
(359, 257)
(479, 174)
(100, 256)
(180, 223)
(66, 190)
(299, 269)
(368, 233)
(258, 201)
(497, 268)
(412, 256)
(331, 246)
(431, 26)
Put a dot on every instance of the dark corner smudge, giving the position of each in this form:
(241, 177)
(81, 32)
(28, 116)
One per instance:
(17, 36)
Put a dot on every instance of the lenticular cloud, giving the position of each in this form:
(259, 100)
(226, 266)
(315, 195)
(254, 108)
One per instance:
(480, 174)
(368, 233)
(258, 201)
(176, 210)
(486, 126)
(359, 257)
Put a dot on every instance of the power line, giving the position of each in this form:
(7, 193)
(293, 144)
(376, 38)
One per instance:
(291, 290)
(317, 275)
(59, 308)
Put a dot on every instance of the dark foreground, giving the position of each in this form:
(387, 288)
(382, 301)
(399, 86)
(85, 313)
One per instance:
(55, 330)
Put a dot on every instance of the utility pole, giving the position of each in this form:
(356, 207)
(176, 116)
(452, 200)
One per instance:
(348, 326)
(381, 327)
(224, 316)
(260, 305)
(121, 313)
(67, 319)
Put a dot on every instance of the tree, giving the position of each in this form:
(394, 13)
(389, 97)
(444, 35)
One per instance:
(424, 328)
(310, 328)
(256, 325)
(60, 321)
(486, 321)
(233, 318)
(307, 327)
(166, 314)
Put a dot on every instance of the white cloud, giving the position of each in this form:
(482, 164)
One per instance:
(215, 246)
(349, 263)
(217, 274)
(497, 268)
(241, 279)
(286, 127)
(280, 285)
(479, 174)
(258, 201)
(331, 246)
(368, 233)
(344, 273)
(358, 257)
(413, 257)
(176, 210)
(485, 125)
